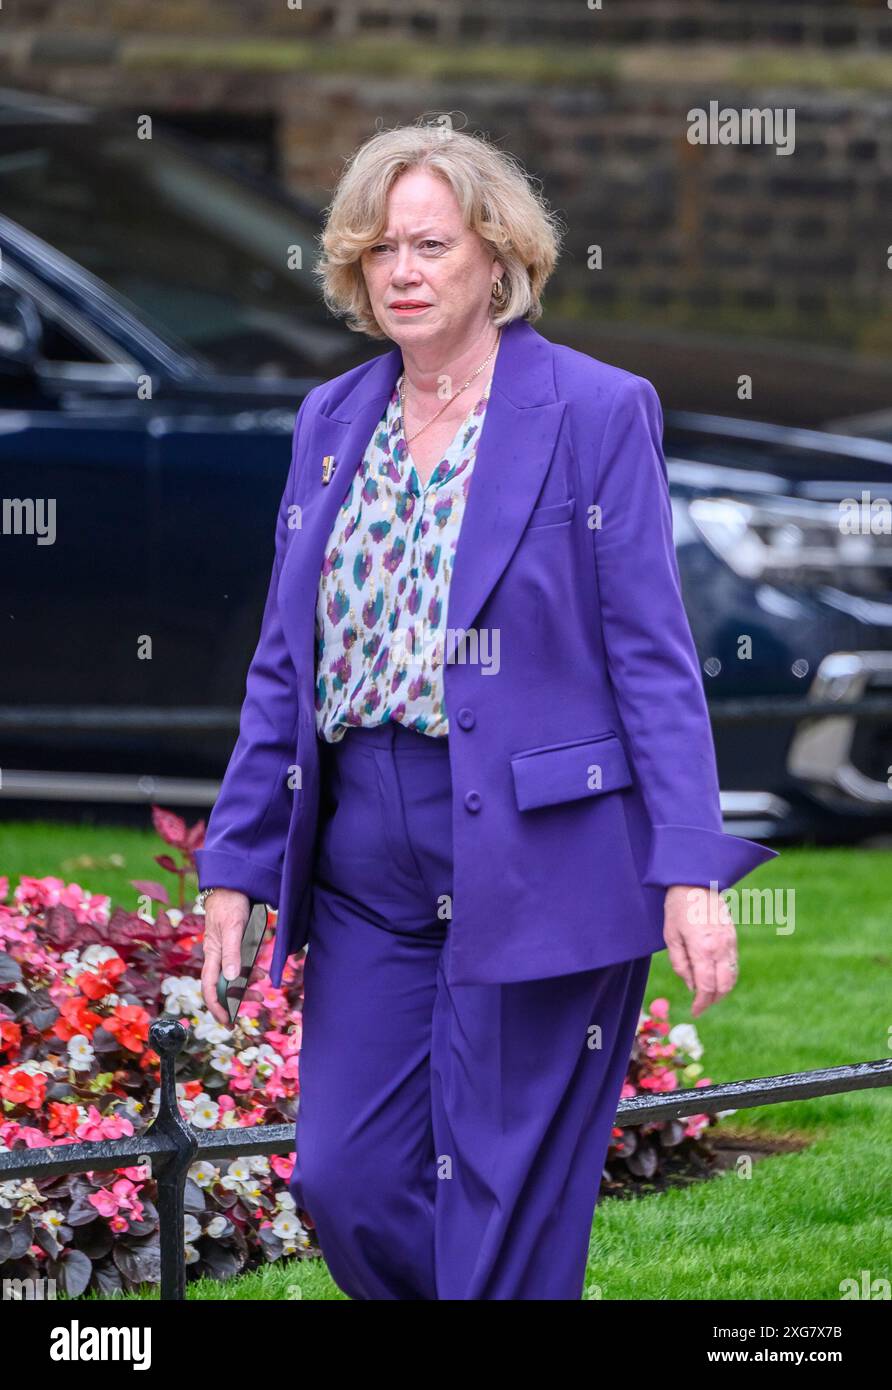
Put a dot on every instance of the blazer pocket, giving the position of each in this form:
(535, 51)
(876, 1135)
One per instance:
(553, 514)
(568, 771)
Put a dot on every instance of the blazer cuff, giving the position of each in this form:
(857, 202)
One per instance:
(219, 869)
(689, 854)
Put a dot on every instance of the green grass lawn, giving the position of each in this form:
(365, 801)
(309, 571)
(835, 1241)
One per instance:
(817, 996)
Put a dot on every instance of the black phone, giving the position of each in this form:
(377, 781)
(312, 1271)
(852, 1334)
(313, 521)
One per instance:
(230, 993)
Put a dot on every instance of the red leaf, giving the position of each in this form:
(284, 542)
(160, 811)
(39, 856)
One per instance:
(170, 827)
(156, 891)
(167, 863)
(195, 838)
(61, 928)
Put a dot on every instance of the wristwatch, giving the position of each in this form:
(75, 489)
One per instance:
(203, 897)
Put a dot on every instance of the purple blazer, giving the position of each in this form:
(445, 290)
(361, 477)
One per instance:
(583, 768)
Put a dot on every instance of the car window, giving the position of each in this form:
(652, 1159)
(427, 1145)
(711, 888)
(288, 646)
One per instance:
(61, 344)
(199, 256)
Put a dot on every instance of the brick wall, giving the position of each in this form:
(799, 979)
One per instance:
(731, 238)
(837, 23)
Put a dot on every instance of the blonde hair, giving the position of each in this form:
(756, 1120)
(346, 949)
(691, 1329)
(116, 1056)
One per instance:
(496, 196)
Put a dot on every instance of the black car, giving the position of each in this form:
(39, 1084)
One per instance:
(159, 327)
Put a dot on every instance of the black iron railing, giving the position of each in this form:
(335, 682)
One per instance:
(171, 1145)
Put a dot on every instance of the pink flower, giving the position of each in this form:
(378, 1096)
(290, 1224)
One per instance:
(111, 1126)
(663, 1079)
(282, 1165)
(659, 1008)
(37, 893)
(275, 1087)
(14, 927)
(241, 1078)
(114, 1201)
(286, 1044)
(104, 1201)
(34, 1138)
(87, 907)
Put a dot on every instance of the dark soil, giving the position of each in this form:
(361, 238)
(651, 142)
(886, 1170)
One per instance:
(694, 1160)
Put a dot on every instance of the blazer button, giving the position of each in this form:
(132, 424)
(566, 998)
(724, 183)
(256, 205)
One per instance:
(466, 719)
(472, 801)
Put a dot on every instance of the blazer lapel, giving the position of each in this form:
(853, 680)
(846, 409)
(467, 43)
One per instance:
(514, 450)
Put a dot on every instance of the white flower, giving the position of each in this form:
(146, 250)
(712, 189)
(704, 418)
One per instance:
(51, 1219)
(266, 1057)
(94, 956)
(80, 1053)
(207, 1029)
(287, 1227)
(174, 916)
(182, 994)
(240, 1179)
(238, 1171)
(204, 1113)
(216, 1227)
(285, 1200)
(34, 1068)
(686, 1039)
(230, 1119)
(259, 1164)
(191, 1228)
(221, 1059)
(244, 1189)
(204, 1173)
(21, 1190)
(191, 1255)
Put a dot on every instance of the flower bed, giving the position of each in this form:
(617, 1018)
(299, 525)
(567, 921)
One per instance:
(80, 982)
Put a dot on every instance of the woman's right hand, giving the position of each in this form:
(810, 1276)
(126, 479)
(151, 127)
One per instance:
(225, 918)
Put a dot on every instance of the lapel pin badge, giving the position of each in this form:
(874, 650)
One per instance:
(328, 464)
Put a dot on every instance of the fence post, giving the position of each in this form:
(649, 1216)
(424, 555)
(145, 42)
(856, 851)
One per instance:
(167, 1036)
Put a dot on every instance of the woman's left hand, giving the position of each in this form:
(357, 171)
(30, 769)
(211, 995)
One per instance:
(702, 942)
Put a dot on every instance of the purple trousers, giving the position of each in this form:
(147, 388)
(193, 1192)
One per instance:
(449, 1141)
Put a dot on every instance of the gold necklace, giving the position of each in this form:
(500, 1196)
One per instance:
(409, 438)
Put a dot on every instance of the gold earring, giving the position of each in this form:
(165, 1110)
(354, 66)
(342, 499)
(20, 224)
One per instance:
(497, 289)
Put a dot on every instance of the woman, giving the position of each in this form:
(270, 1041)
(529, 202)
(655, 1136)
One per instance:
(483, 828)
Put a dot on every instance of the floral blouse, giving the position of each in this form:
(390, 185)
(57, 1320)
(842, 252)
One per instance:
(384, 586)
